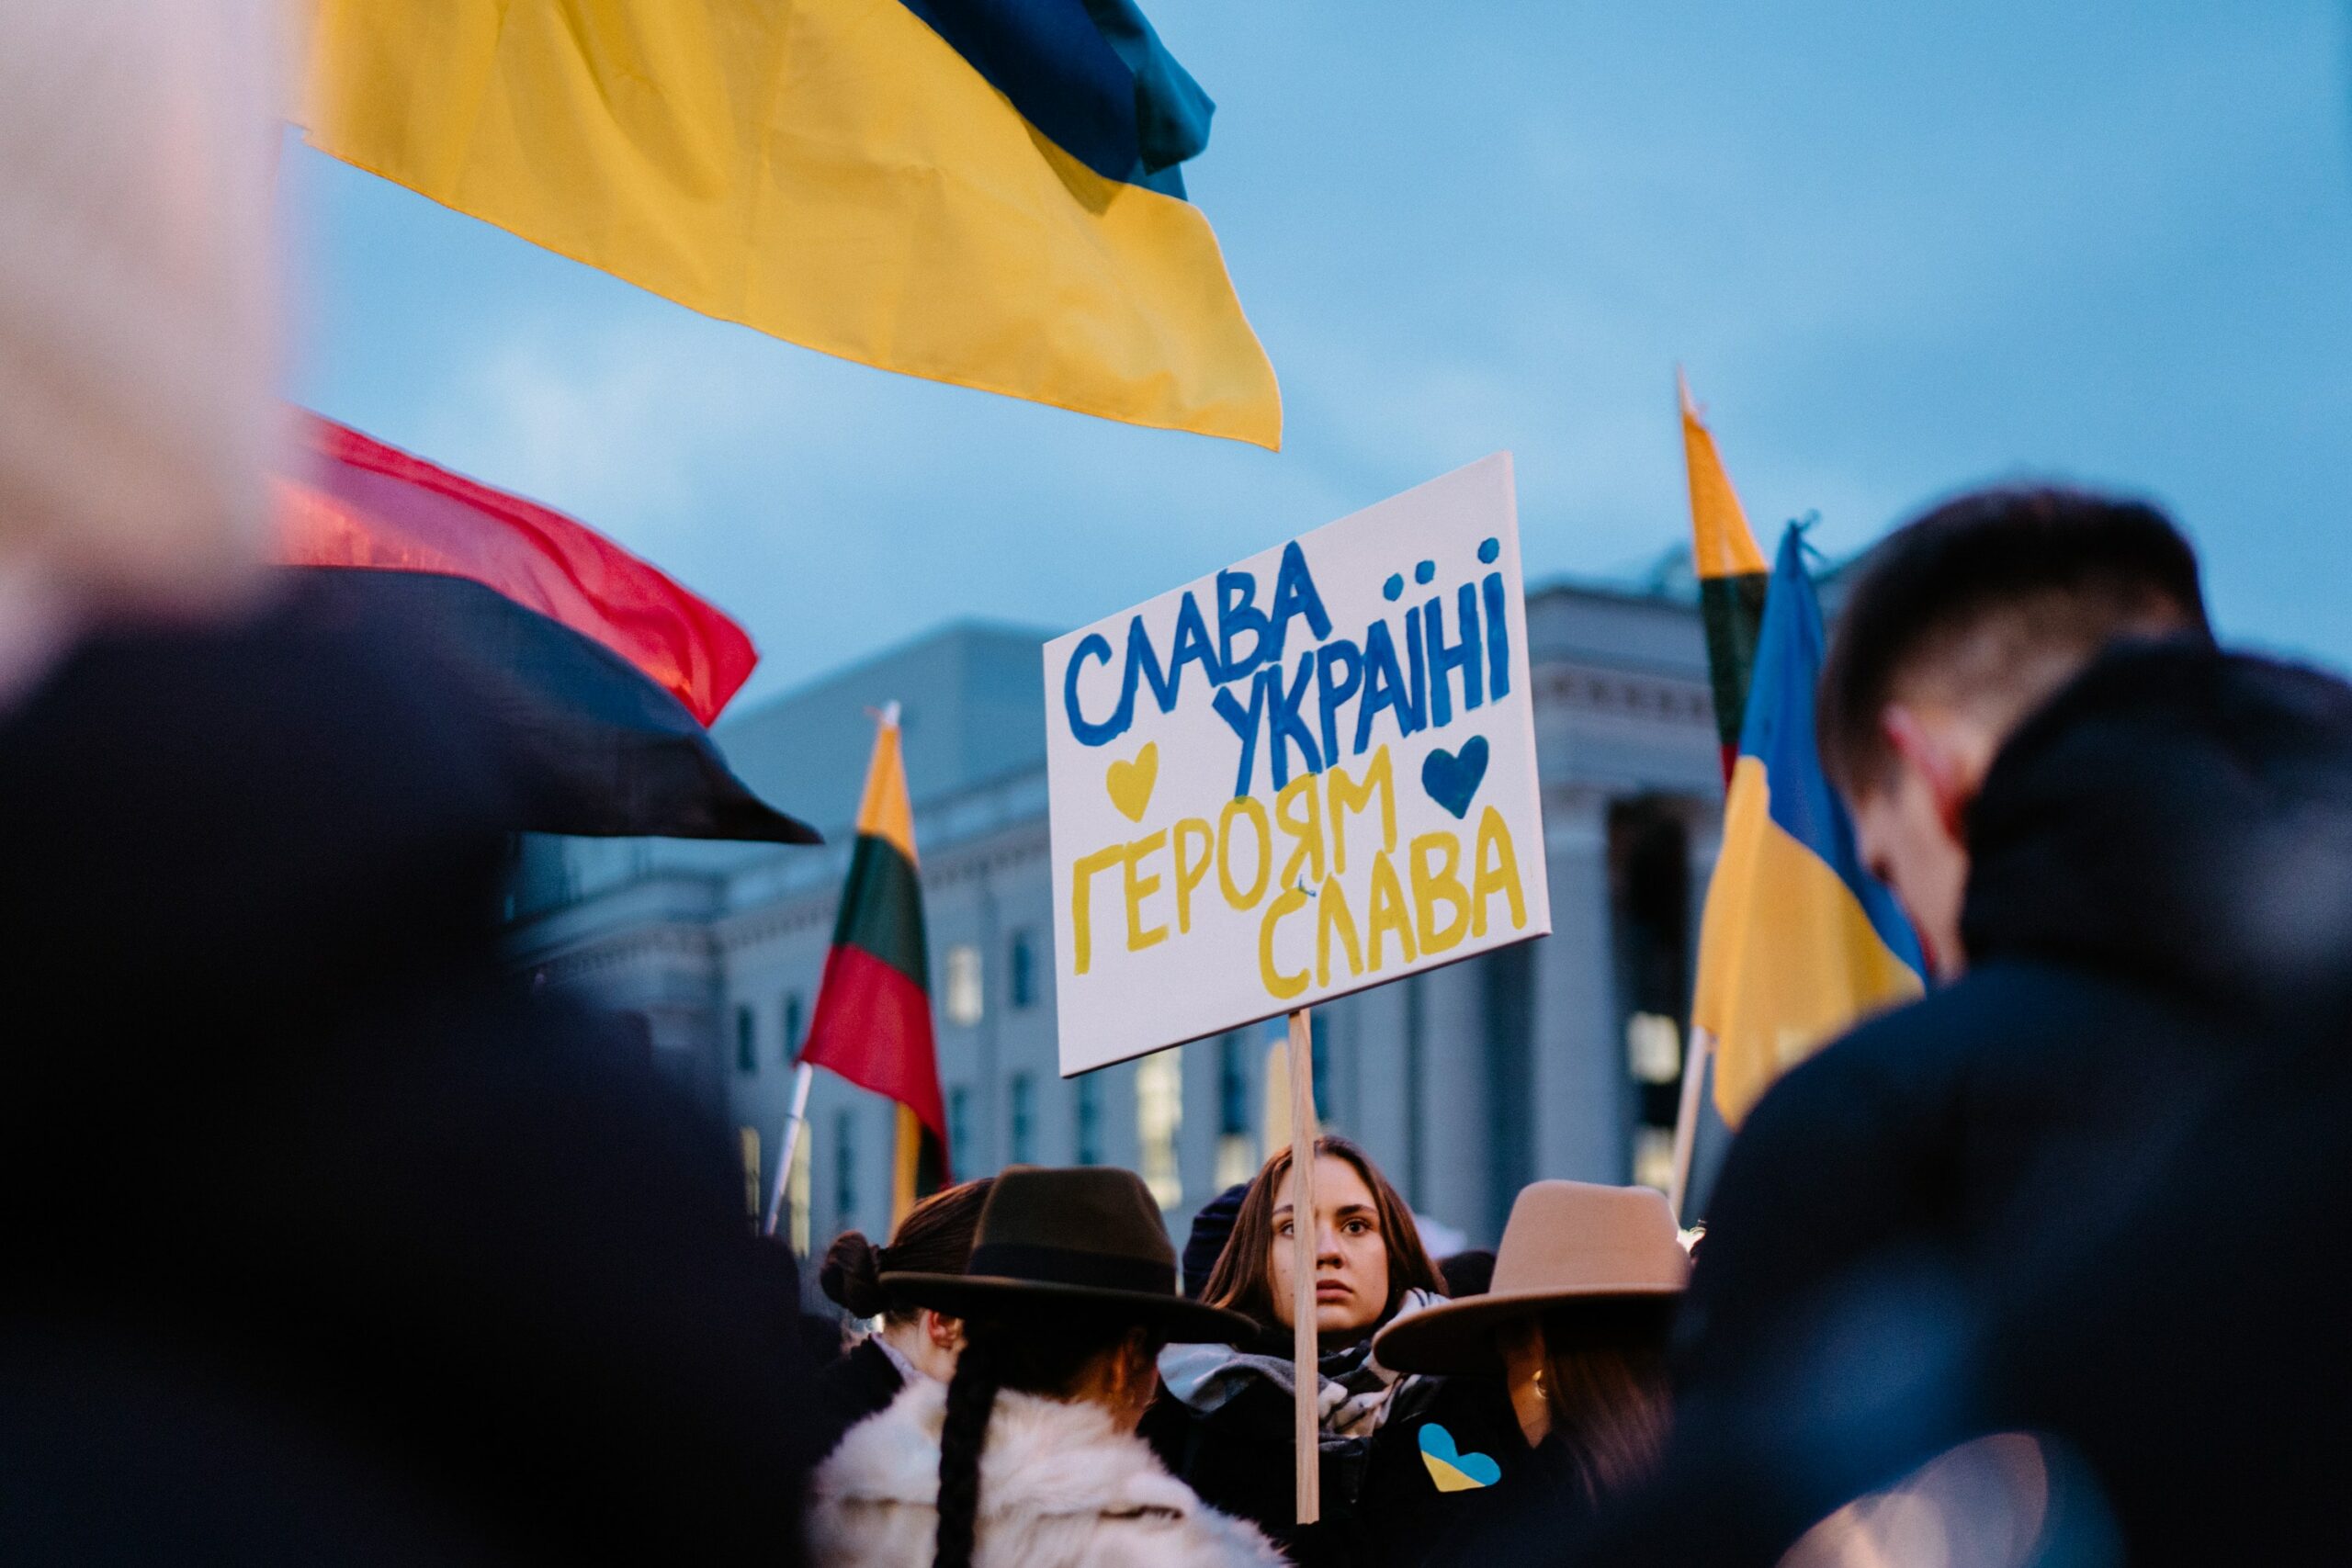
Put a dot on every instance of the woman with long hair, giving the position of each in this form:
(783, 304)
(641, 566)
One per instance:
(1224, 1423)
(1573, 1336)
(912, 1341)
(1029, 1456)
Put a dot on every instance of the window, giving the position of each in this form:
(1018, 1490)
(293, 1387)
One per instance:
(1318, 1053)
(1021, 1092)
(747, 1056)
(748, 1148)
(793, 1022)
(796, 1194)
(963, 997)
(845, 1170)
(1021, 982)
(1236, 1155)
(1232, 1084)
(1090, 1119)
(1159, 1116)
(959, 1129)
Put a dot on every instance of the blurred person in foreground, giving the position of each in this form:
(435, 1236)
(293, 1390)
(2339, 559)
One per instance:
(912, 1341)
(1224, 1423)
(1928, 1121)
(2145, 893)
(1028, 1457)
(1570, 1336)
(323, 1245)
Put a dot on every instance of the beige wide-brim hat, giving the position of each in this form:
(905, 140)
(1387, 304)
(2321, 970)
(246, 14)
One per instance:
(1567, 1242)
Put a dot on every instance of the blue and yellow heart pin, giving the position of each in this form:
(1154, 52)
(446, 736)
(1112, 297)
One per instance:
(1453, 1470)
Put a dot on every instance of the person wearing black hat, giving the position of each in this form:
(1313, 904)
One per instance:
(912, 1341)
(1068, 1297)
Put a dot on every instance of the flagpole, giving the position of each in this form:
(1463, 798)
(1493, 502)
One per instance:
(1305, 1373)
(1686, 1120)
(794, 1121)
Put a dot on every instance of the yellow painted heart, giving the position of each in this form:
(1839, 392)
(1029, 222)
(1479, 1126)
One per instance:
(1130, 783)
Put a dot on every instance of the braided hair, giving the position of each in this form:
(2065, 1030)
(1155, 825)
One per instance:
(1045, 1349)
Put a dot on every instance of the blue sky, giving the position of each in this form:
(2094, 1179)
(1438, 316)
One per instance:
(1900, 248)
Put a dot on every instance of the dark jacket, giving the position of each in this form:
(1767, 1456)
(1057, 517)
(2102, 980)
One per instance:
(2160, 896)
(324, 1242)
(851, 1387)
(1386, 1509)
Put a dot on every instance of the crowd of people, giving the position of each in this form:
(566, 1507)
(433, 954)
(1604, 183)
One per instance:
(325, 1243)
(2009, 1247)
(438, 1270)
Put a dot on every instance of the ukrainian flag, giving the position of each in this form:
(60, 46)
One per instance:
(977, 191)
(1798, 941)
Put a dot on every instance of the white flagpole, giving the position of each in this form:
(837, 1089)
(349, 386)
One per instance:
(1686, 1123)
(793, 1123)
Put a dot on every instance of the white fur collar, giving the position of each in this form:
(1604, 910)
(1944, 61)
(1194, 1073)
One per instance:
(1042, 1457)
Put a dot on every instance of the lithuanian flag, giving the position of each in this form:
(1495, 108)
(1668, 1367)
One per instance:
(1798, 941)
(1731, 576)
(873, 1016)
(973, 191)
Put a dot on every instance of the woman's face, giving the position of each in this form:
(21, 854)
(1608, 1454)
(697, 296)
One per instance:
(1350, 1255)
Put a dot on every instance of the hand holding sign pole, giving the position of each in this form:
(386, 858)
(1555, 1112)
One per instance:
(1302, 776)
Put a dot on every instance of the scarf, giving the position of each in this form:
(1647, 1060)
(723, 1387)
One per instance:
(1356, 1396)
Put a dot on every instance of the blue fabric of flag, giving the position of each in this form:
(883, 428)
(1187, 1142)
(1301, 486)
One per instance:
(1778, 732)
(1090, 74)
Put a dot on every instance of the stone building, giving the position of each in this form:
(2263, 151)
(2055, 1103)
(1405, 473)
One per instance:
(1558, 1058)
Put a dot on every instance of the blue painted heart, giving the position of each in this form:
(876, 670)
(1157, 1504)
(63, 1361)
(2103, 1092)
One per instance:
(1453, 777)
(1453, 1470)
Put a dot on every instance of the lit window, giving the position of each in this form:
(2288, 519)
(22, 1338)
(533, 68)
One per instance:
(1159, 1116)
(1090, 1119)
(845, 1170)
(1653, 1048)
(1021, 984)
(796, 1194)
(1653, 1157)
(963, 984)
(793, 1020)
(748, 1142)
(1021, 1091)
(747, 1056)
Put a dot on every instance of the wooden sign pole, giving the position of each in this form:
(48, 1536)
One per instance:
(1306, 1375)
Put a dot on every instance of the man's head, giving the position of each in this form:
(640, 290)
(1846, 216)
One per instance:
(1961, 622)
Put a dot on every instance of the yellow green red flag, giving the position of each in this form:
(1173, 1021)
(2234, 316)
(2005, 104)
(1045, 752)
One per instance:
(968, 191)
(872, 1023)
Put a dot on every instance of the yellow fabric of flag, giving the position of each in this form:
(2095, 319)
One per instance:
(831, 172)
(1721, 545)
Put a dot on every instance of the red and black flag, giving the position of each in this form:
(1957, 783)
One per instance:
(597, 672)
(1731, 578)
(873, 1017)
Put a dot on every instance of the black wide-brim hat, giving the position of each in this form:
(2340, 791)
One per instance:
(1085, 1235)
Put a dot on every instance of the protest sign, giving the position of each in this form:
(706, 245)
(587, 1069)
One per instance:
(1308, 774)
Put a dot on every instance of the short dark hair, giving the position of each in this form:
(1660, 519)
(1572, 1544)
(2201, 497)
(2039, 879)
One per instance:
(2060, 573)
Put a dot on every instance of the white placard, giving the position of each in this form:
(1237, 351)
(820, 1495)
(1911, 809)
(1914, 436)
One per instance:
(1311, 772)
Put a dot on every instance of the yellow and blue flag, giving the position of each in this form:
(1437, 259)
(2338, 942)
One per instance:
(1798, 941)
(984, 192)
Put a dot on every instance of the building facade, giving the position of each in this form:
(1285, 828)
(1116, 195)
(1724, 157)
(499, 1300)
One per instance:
(1560, 1058)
